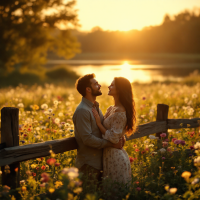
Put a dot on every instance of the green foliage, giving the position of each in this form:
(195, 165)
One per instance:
(61, 73)
(40, 77)
(29, 30)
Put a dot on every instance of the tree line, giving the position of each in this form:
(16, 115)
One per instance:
(177, 34)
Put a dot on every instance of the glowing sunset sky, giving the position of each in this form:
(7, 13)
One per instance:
(128, 14)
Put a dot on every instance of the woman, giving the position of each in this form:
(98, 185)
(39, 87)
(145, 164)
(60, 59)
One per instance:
(119, 120)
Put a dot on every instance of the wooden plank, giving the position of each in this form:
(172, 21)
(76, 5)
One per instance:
(149, 128)
(2, 145)
(31, 151)
(10, 136)
(162, 115)
(183, 123)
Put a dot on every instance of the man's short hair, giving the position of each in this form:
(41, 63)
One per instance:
(84, 82)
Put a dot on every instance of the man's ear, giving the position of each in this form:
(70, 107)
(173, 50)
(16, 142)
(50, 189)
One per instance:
(88, 89)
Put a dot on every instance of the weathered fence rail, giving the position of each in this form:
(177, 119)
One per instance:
(12, 154)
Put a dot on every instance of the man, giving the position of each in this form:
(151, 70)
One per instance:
(87, 133)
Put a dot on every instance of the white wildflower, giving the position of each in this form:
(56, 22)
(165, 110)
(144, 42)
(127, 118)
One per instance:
(20, 105)
(55, 102)
(57, 120)
(151, 145)
(162, 150)
(194, 96)
(60, 114)
(197, 145)
(44, 106)
(68, 103)
(72, 172)
(196, 180)
(197, 160)
(152, 137)
(50, 110)
(190, 111)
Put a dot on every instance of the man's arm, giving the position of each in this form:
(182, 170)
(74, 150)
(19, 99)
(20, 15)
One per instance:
(83, 126)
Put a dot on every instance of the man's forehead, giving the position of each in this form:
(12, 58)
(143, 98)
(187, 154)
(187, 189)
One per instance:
(93, 80)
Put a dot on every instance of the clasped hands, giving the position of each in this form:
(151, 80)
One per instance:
(122, 140)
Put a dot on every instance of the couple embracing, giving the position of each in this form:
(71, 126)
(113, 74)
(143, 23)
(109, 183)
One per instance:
(101, 138)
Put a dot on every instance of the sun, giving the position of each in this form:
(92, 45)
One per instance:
(126, 70)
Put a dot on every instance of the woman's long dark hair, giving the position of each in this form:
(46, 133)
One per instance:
(125, 92)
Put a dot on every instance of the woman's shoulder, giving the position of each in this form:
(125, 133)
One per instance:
(120, 110)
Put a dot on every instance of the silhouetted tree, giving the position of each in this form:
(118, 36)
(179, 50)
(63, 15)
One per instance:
(177, 34)
(28, 29)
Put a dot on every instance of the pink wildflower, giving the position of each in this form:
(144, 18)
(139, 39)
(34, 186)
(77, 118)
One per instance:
(163, 135)
(173, 139)
(182, 142)
(177, 142)
(165, 144)
(131, 159)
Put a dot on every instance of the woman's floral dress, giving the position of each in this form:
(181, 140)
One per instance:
(116, 164)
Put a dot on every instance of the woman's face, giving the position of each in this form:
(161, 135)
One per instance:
(112, 89)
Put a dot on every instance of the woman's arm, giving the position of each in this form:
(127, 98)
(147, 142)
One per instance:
(116, 131)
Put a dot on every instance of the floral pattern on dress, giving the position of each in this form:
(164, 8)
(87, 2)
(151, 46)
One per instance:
(116, 164)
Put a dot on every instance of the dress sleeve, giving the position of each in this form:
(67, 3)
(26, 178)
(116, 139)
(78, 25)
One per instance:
(118, 123)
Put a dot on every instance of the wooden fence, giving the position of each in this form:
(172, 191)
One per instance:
(12, 154)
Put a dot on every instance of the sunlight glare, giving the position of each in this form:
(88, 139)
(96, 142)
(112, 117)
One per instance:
(126, 71)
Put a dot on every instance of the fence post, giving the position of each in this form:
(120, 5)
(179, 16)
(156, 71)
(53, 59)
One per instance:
(10, 136)
(162, 114)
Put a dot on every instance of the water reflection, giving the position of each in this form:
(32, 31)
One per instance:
(140, 73)
(106, 70)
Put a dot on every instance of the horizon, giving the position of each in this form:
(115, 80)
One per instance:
(115, 19)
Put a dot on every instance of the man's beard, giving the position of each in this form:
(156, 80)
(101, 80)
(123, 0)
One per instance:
(96, 93)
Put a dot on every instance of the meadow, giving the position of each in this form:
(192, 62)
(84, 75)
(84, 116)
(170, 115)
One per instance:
(45, 113)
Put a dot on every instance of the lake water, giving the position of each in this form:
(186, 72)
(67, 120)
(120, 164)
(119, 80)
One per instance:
(106, 70)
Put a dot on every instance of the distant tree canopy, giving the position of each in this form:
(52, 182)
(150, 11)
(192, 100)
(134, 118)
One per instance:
(177, 34)
(28, 29)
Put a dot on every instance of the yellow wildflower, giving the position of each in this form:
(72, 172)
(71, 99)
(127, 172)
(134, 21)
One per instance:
(58, 184)
(172, 190)
(188, 125)
(186, 175)
(38, 159)
(13, 198)
(51, 190)
(33, 166)
(167, 187)
(23, 188)
(181, 124)
(78, 190)
(35, 107)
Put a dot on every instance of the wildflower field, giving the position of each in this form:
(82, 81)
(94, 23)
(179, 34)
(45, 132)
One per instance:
(157, 173)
